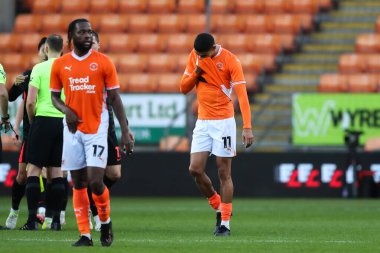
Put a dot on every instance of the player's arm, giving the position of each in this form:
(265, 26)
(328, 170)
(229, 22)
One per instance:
(72, 119)
(18, 86)
(31, 102)
(19, 117)
(127, 139)
(238, 81)
(190, 77)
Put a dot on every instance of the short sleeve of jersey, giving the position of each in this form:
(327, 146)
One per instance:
(35, 78)
(55, 80)
(190, 67)
(3, 76)
(111, 80)
(236, 71)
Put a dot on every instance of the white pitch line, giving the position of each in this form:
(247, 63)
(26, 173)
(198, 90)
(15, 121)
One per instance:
(198, 241)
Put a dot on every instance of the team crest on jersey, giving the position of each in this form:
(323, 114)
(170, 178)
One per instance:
(93, 66)
(219, 65)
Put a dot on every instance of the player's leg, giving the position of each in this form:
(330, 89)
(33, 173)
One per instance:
(32, 194)
(96, 147)
(65, 198)
(93, 211)
(224, 148)
(18, 191)
(226, 192)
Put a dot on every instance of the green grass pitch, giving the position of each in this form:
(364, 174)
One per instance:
(186, 225)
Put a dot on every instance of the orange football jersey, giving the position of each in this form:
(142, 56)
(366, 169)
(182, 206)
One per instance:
(85, 80)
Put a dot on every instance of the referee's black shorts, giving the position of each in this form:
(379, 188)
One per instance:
(45, 142)
(114, 157)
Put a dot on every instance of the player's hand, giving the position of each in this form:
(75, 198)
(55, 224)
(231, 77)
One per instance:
(20, 79)
(127, 142)
(199, 71)
(16, 136)
(247, 137)
(72, 121)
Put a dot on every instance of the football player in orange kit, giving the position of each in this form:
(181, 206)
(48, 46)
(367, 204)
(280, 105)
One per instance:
(214, 71)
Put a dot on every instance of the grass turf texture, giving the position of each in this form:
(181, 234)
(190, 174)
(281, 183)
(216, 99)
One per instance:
(186, 225)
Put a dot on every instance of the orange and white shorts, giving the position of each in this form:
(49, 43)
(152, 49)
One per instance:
(82, 150)
(215, 136)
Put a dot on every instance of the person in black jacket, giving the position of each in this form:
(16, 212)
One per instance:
(20, 87)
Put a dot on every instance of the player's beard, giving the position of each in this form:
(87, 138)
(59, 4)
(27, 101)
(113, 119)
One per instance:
(82, 46)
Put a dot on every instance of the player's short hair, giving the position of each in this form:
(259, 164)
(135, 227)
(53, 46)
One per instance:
(55, 42)
(41, 43)
(96, 35)
(70, 29)
(204, 42)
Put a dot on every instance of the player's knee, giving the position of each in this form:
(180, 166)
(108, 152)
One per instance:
(21, 178)
(114, 175)
(97, 187)
(195, 171)
(224, 175)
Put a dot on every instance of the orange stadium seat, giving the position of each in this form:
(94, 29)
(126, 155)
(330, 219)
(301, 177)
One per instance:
(276, 6)
(285, 23)
(227, 23)
(112, 23)
(121, 43)
(67, 18)
(14, 62)
(180, 43)
(265, 43)
(266, 61)
(115, 58)
(251, 63)
(9, 42)
(191, 6)
(53, 23)
(182, 62)
(151, 43)
(221, 6)
(368, 43)
(378, 25)
(333, 83)
(306, 22)
(142, 23)
(140, 83)
(46, 6)
(236, 43)
(27, 23)
(196, 23)
(362, 83)
(132, 6)
(304, 6)
(75, 6)
(352, 63)
(133, 63)
(286, 41)
(161, 6)
(168, 83)
(171, 23)
(174, 143)
(373, 63)
(257, 23)
(251, 84)
(123, 81)
(161, 63)
(325, 4)
(29, 42)
(244, 6)
(103, 6)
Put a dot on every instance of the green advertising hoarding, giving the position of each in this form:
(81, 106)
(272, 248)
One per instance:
(320, 119)
(151, 116)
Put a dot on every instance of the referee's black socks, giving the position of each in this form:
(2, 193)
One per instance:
(32, 194)
(57, 193)
(18, 192)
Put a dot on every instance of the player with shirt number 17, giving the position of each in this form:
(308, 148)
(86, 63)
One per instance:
(85, 75)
